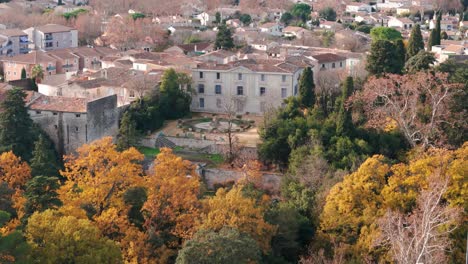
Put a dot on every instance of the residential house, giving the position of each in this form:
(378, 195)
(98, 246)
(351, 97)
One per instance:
(71, 122)
(234, 23)
(13, 42)
(249, 85)
(403, 10)
(52, 36)
(291, 31)
(263, 45)
(331, 25)
(89, 58)
(358, 7)
(379, 19)
(444, 52)
(271, 28)
(193, 49)
(401, 22)
(12, 66)
(66, 61)
(218, 56)
(445, 25)
(328, 61)
(205, 18)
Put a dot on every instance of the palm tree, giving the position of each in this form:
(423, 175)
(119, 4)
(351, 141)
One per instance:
(37, 73)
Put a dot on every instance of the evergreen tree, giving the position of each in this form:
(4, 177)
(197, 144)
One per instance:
(224, 38)
(431, 40)
(415, 42)
(307, 88)
(217, 18)
(41, 194)
(385, 57)
(44, 158)
(174, 101)
(444, 35)
(438, 30)
(421, 61)
(16, 125)
(23, 73)
(344, 123)
(128, 134)
(400, 53)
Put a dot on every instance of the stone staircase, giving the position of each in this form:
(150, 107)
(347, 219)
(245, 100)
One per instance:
(163, 142)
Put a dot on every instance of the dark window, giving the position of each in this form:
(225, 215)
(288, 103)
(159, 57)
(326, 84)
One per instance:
(38, 112)
(333, 65)
(239, 76)
(202, 102)
(217, 89)
(77, 115)
(262, 91)
(201, 75)
(341, 64)
(201, 88)
(76, 129)
(132, 94)
(283, 78)
(323, 65)
(240, 90)
(218, 75)
(55, 113)
(262, 77)
(284, 92)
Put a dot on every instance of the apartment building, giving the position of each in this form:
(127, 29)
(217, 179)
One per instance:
(66, 61)
(248, 85)
(13, 42)
(52, 37)
(12, 66)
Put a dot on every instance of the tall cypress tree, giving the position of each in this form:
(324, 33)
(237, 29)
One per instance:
(44, 160)
(415, 42)
(344, 123)
(438, 30)
(400, 53)
(431, 40)
(16, 125)
(23, 73)
(307, 88)
(128, 134)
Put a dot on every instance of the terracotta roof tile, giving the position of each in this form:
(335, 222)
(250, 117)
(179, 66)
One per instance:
(59, 104)
(53, 28)
(14, 32)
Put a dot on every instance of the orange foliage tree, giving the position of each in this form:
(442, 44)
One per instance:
(173, 197)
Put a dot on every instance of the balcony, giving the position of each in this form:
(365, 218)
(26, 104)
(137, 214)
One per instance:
(24, 50)
(95, 62)
(48, 37)
(50, 68)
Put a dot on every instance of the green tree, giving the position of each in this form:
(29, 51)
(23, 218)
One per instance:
(128, 134)
(13, 247)
(384, 57)
(246, 19)
(41, 194)
(136, 16)
(432, 40)
(421, 61)
(385, 33)
(307, 88)
(44, 159)
(226, 246)
(444, 35)
(344, 122)
(217, 18)
(224, 38)
(55, 238)
(174, 99)
(16, 125)
(415, 42)
(438, 31)
(301, 11)
(23, 73)
(400, 52)
(286, 18)
(328, 14)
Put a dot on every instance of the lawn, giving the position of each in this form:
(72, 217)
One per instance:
(149, 152)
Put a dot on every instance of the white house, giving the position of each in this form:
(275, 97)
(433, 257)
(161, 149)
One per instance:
(252, 86)
(296, 32)
(358, 7)
(271, 28)
(445, 25)
(205, 18)
(401, 22)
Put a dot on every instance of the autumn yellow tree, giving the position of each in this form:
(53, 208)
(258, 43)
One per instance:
(232, 209)
(14, 173)
(55, 238)
(96, 179)
(173, 205)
